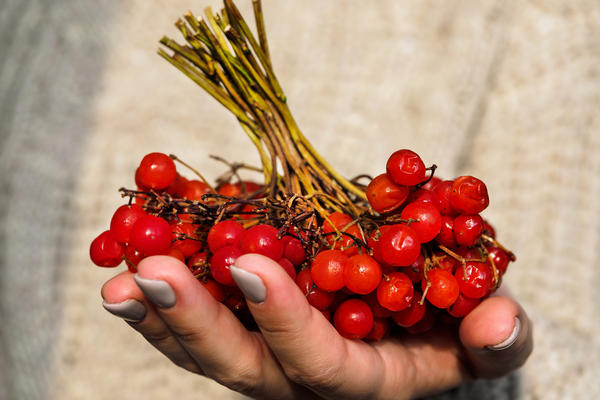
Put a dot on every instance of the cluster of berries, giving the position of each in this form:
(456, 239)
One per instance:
(423, 252)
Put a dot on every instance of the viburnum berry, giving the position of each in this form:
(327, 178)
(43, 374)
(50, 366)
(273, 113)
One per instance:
(412, 314)
(463, 306)
(475, 279)
(195, 189)
(214, 289)
(500, 258)
(385, 195)
(262, 239)
(288, 267)
(123, 219)
(151, 235)
(327, 270)
(442, 191)
(132, 258)
(469, 195)
(342, 223)
(318, 298)
(415, 270)
(467, 229)
(362, 274)
(405, 167)
(395, 292)
(400, 245)
(224, 233)
(353, 319)
(105, 251)
(156, 171)
(293, 250)
(381, 329)
(185, 238)
(440, 288)
(220, 262)
(428, 219)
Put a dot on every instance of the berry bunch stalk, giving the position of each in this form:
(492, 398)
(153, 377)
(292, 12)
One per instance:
(224, 57)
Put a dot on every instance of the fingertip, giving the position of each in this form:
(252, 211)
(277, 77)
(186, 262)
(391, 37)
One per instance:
(491, 323)
(120, 288)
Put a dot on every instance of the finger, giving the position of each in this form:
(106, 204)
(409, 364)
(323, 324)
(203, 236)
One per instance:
(497, 336)
(211, 334)
(123, 298)
(308, 347)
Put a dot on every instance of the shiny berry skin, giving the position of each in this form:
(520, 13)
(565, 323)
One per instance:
(156, 171)
(105, 251)
(344, 242)
(431, 183)
(151, 235)
(384, 195)
(467, 229)
(288, 267)
(319, 299)
(362, 274)
(442, 191)
(425, 324)
(444, 289)
(373, 242)
(415, 270)
(429, 219)
(195, 189)
(176, 253)
(411, 315)
(188, 246)
(379, 311)
(395, 292)
(399, 246)
(353, 319)
(446, 235)
(177, 188)
(469, 195)
(262, 239)
(293, 250)
(122, 221)
(327, 270)
(489, 229)
(220, 262)
(426, 196)
(405, 167)
(224, 233)
(475, 279)
(132, 258)
(500, 258)
(463, 306)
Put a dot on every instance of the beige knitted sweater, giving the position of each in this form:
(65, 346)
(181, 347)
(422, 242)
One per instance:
(508, 91)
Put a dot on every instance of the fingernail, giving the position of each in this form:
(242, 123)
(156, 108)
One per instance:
(130, 310)
(157, 291)
(250, 284)
(506, 343)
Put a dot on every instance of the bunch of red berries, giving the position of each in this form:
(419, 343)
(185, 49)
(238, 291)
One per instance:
(418, 251)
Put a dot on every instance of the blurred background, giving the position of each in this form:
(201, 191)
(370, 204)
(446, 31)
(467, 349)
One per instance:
(508, 91)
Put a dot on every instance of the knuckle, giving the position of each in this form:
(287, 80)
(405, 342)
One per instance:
(239, 377)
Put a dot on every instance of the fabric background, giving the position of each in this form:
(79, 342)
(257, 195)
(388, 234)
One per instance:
(508, 91)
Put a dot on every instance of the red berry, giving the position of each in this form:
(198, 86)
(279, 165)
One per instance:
(319, 299)
(405, 167)
(374, 239)
(177, 188)
(431, 183)
(426, 196)
(429, 219)
(224, 233)
(411, 315)
(475, 279)
(185, 238)
(214, 289)
(384, 195)
(489, 229)
(469, 195)
(500, 258)
(293, 250)
(443, 290)
(123, 219)
(341, 222)
(381, 329)
(442, 191)
(399, 246)
(327, 270)
(151, 235)
(362, 274)
(132, 258)
(262, 239)
(176, 253)
(353, 319)
(446, 235)
(379, 311)
(424, 325)
(105, 251)
(463, 306)
(288, 267)
(198, 262)
(395, 292)
(156, 171)
(195, 189)
(467, 229)
(415, 270)
(220, 262)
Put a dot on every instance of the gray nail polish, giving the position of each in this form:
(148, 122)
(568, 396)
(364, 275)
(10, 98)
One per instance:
(512, 338)
(130, 310)
(250, 284)
(157, 291)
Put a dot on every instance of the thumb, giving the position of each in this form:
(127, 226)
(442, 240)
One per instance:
(497, 336)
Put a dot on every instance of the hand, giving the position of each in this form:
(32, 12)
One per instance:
(298, 353)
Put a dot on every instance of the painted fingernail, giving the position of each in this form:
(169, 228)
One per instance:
(506, 343)
(157, 291)
(130, 310)
(250, 284)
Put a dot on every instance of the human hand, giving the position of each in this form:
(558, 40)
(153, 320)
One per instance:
(298, 353)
